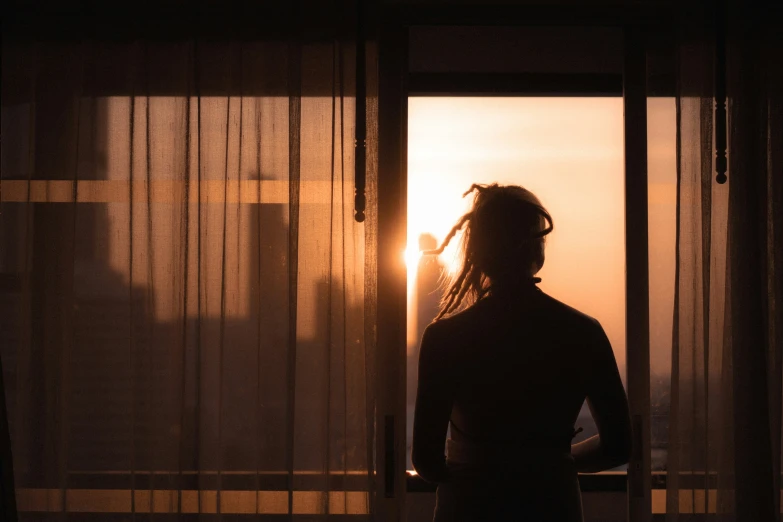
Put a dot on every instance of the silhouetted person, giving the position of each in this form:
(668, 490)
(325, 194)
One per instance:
(510, 373)
(429, 273)
(428, 277)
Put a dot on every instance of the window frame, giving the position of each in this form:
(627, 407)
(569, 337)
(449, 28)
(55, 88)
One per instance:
(396, 84)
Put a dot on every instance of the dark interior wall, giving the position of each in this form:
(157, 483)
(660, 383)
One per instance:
(509, 49)
(175, 20)
(531, 52)
(580, 3)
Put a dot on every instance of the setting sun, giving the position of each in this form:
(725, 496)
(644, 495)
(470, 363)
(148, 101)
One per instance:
(411, 255)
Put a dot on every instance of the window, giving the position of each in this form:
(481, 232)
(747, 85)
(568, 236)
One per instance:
(569, 152)
(662, 220)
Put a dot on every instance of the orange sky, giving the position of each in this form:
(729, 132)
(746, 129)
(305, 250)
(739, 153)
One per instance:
(569, 152)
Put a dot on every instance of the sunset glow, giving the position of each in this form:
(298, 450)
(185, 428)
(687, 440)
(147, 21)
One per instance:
(411, 255)
(569, 152)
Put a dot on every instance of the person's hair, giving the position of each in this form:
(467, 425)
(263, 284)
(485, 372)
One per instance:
(503, 242)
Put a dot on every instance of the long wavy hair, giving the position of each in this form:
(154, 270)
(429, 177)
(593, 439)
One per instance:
(502, 243)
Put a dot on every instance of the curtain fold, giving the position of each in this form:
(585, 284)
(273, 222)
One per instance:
(187, 302)
(724, 460)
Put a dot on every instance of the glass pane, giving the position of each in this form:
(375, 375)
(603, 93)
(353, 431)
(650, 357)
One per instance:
(567, 151)
(662, 220)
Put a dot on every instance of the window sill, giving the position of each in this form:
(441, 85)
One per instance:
(610, 481)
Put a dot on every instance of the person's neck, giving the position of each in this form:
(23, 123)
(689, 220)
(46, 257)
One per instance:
(514, 286)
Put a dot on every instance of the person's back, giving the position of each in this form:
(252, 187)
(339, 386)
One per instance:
(510, 374)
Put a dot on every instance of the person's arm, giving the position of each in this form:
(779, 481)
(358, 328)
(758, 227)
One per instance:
(434, 397)
(609, 407)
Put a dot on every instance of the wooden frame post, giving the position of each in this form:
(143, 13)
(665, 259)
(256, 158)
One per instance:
(637, 318)
(392, 297)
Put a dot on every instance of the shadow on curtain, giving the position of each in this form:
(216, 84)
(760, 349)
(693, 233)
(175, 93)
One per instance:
(186, 300)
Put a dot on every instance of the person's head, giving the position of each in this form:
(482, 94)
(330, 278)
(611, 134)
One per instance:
(502, 244)
(427, 242)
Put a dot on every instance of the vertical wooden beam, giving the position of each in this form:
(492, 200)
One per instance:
(637, 318)
(392, 306)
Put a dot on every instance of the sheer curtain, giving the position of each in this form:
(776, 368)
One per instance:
(186, 317)
(725, 426)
